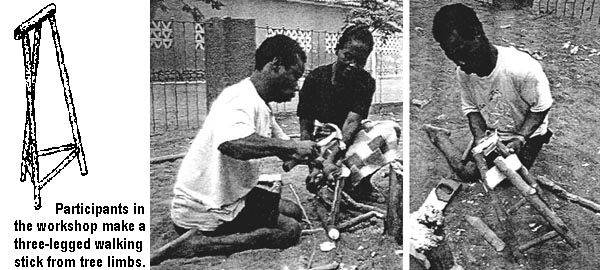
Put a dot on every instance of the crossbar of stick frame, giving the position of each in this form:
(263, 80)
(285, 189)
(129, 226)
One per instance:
(53, 150)
(58, 168)
(34, 21)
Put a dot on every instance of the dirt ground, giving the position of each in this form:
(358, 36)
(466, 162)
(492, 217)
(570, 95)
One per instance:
(363, 246)
(571, 159)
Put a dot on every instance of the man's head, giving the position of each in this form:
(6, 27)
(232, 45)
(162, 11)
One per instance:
(352, 50)
(460, 34)
(280, 60)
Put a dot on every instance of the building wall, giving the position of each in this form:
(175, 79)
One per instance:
(273, 13)
(181, 56)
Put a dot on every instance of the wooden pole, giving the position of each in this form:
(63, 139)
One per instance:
(360, 206)
(537, 203)
(563, 193)
(166, 158)
(506, 232)
(538, 241)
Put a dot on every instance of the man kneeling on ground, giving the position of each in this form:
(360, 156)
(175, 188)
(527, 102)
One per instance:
(218, 191)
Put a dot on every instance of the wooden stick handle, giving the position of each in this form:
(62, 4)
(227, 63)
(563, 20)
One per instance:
(30, 23)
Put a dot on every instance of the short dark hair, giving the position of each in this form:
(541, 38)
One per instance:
(280, 47)
(456, 17)
(358, 32)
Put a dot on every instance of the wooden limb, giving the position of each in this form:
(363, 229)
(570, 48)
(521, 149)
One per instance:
(333, 232)
(329, 266)
(538, 204)
(487, 233)
(356, 220)
(166, 158)
(346, 224)
(393, 220)
(524, 173)
(160, 254)
(323, 215)
(300, 204)
(312, 231)
(514, 178)
(538, 240)
(440, 138)
(506, 232)
(513, 209)
(360, 206)
(563, 193)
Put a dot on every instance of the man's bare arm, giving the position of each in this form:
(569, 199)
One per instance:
(256, 146)
(532, 122)
(307, 126)
(350, 127)
(477, 125)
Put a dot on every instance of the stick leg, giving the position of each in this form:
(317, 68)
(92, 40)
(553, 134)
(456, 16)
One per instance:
(64, 76)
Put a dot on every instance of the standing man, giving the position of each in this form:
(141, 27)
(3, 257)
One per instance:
(501, 88)
(218, 190)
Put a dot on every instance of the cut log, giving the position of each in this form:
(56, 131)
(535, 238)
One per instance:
(486, 232)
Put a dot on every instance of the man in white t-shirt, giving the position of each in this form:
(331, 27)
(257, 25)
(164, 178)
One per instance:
(217, 190)
(502, 88)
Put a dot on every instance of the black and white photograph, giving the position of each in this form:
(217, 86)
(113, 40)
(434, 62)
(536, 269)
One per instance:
(276, 134)
(504, 147)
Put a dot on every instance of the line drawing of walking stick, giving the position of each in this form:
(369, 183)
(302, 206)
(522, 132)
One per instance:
(31, 154)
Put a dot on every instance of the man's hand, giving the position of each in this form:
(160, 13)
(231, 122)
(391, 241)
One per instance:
(305, 150)
(331, 170)
(516, 144)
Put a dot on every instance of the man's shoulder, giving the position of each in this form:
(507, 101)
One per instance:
(517, 61)
(321, 71)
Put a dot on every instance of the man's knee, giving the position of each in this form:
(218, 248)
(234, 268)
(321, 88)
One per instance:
(291, 231)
